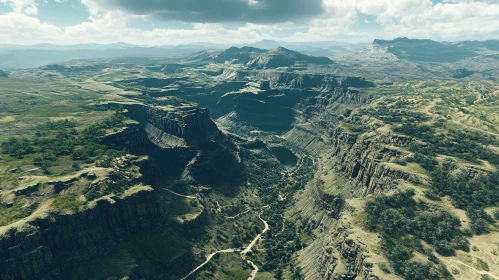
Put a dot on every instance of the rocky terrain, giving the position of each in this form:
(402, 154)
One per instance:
(259, 58)
(407, 59)
(221, 166)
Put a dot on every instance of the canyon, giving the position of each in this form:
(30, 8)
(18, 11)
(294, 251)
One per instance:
(206, 149)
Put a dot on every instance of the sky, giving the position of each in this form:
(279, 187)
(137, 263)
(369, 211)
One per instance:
(173, 22)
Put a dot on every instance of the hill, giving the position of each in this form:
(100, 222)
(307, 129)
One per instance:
(425, 50)
(259, 58)
(403, 58)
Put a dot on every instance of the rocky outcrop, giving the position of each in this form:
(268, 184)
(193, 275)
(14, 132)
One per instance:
(45, 246)
(238, 55)
(357, 82)
(360, 160)
(353, 254)
(284, 79)
(282, 57)
(183, 143)
(280, 79)
(258, 58)
(191, 123)
(151, 82)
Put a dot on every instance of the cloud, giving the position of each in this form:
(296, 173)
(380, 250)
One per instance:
(20, 28)
(451, 20)
(340, 21)
(215, 11)
(22, 6)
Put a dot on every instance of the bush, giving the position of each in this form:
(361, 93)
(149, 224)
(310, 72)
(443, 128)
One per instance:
(496, 214)
(426, 162)
(403, 223)
(17, 147)
(384, 268)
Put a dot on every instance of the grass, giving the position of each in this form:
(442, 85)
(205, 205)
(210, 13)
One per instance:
(67, 204)
(15, 212)
(24, 105)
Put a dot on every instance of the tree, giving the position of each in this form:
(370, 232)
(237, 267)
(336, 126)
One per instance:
(45, 165)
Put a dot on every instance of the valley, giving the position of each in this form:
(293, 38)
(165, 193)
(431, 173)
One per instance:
(247, 163)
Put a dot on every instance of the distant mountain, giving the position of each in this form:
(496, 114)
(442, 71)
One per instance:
(260, 58)
(239, 55)
(16, 57)
(405, 59)
(25, 57)
(320, 48)
(3, 74)
(477, 46)
(425, 50)
(282, 57)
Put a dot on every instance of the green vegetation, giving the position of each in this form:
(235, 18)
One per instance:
(237, 274)
(472, 194)
(67, 204)
(404, 223)
(14, 212)
(60, 138)
(17, 147)
(482, 265)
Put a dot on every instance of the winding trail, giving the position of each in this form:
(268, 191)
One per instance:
(233, 217)
(180, 195)
(250, 246)
(208, 259)
(481, 272)
(236, 250)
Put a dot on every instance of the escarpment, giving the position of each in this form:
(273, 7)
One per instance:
(191, 123)
(44, 247)
(107, 202)
(280, 79)
(183, 141)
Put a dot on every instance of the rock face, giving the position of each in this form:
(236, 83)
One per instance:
(182, 142)
(282, 57)
(238, 55)
(151, 82)
(258, 58)
(425, 50)
(182, 145)
(283, 79)
(191, 123)
(44, 247)
(360, 159)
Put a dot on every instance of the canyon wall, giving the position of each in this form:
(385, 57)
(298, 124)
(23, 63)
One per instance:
(42, 248)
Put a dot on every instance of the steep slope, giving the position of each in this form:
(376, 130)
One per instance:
(259, 58)
(425, 50)
(82, 217)
(238, 55)
(401, 59)
(282, 57)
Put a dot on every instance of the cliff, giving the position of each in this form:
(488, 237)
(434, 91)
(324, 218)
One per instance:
(83, 217)
(183, 143)
(191, 123)
(258, 58)
(282, 57)
(43, 247)
(284, 79)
